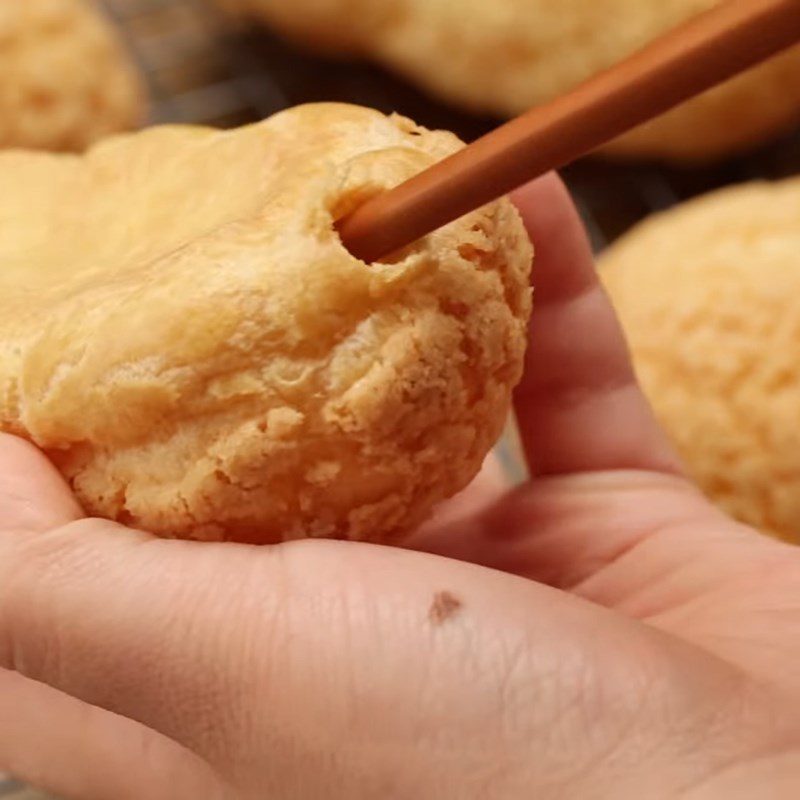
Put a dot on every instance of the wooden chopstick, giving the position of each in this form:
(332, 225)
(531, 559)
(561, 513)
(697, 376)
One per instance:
(706, 51)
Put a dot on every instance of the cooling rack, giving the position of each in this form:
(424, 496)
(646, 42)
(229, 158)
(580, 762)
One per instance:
(202, 68)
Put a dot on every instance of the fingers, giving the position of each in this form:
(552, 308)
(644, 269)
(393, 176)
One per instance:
(561, 530)
(33, 496)
(75, 750)
(336, 670)
(578, 406)
(114, 618)
(303, 671)
(638, 542)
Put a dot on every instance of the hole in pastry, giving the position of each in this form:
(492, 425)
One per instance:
(392, 258)
(346, 204)
(350, 199)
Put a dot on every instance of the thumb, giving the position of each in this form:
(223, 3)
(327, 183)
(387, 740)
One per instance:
(33, 495)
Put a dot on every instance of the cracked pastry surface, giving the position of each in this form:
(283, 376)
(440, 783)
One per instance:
(707, 294)
(65, 79)
(186, 336)
(504, 56)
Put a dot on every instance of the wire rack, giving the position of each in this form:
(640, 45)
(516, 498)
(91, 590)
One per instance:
(202, 68)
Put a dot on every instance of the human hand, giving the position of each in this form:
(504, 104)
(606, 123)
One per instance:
(600, 632)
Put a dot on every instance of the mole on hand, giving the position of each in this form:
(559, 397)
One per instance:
(444, 606)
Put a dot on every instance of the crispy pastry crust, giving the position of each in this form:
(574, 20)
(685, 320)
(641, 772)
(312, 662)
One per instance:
(189, 340)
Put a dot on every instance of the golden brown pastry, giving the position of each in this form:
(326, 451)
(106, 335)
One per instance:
(65, 80)
(504, 56)
(186, 336)
(708, 295)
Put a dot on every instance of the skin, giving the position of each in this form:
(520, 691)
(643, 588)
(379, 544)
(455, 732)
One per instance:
(600, 632)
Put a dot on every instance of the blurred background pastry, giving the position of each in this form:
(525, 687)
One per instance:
(65, 78)
(504, 56)
(708, 296)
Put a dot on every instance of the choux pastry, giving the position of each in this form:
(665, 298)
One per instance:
(505, 56)
(190, 342)
(708, 296)
(65, 79)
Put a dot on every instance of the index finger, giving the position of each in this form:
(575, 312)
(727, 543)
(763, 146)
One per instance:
(579, 407)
